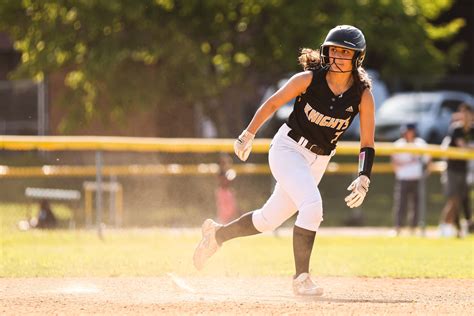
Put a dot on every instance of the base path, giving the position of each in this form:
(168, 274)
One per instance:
(175, 295)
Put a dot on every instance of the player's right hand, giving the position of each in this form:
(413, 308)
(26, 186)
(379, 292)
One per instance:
(243, 145)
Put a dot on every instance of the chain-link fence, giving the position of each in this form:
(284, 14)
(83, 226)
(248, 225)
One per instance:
(178, 189)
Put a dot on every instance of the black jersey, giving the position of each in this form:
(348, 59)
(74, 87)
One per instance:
(322, 117)
(456, 132)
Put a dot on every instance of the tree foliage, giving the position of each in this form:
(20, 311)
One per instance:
(141, 54)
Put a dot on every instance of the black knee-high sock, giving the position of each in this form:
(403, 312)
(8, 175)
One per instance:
(240, 227)
(303, 241)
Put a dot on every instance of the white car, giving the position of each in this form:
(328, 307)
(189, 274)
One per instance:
(380, 93)
(430, 111)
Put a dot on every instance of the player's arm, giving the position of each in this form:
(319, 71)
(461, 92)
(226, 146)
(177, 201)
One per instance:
(360, 186)
(295, 86)
(292, 88)
(367, 119)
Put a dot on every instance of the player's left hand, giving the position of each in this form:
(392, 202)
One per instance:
(359, 188)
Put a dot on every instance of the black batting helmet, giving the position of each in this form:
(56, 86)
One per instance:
(346, 36)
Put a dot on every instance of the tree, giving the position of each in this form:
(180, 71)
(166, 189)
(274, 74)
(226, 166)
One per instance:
(120, 56)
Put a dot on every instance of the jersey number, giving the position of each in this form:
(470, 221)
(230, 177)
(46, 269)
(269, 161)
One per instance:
(334, 140)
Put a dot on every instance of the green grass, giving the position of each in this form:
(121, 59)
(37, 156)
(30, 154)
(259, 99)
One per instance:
(154, 252)
(12, 213)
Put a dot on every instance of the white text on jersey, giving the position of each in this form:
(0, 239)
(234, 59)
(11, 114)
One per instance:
(324, 120)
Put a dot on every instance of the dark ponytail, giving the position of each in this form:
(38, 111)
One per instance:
(361, 79)
(310, 59)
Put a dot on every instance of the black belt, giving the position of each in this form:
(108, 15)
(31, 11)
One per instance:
(312, 147)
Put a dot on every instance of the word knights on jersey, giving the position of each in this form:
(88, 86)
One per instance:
(325, 120)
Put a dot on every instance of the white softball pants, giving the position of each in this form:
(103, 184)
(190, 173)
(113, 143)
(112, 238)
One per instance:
(298, 172)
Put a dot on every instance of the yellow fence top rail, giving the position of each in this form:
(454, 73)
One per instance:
(176, 170)
(196, 145)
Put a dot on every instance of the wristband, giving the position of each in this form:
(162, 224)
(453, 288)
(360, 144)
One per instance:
(246, 135)
(366, 160)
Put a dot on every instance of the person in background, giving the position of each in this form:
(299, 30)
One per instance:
(468, 226)
(46, 218)
(225, 195)
(461, 134)
(409, 170)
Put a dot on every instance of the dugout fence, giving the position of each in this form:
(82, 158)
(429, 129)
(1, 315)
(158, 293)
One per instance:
(180, 169)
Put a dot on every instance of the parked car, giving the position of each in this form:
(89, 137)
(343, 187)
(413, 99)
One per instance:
(430, 111)
(379, 90)
(380, 93)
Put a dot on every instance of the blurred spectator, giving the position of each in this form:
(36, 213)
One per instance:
(225, 196)
(461, 134)
(409, 170)
(45, 219)
(466, 199)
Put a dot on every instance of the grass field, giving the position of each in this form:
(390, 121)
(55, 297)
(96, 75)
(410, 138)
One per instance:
(150, 272)
(155, 252)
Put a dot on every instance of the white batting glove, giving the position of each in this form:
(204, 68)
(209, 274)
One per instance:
(359, 188)
(243, 145)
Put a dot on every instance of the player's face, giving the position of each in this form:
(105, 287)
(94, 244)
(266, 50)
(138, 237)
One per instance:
(410, 135)
(340, 58)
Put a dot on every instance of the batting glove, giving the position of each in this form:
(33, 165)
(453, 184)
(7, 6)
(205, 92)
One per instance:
(359, 188)
(243, 145)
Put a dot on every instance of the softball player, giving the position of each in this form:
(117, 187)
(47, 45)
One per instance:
(330, 92)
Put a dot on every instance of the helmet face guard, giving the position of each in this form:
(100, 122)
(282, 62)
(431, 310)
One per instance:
(348, 37)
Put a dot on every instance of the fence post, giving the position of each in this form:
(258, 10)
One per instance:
(98, 200)
(88, 196)
(422, 202)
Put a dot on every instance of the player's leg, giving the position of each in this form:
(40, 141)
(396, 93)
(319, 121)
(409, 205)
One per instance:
(448, 216)
(449, 213)
(415, 197)
(278, 208)
(308, 221)
(397, 197)
(304, 232)
(454, 215)
(299, 171)
(466, 207)
(404, 192)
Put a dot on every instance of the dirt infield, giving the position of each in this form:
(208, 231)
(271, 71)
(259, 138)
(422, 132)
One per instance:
(174, 295)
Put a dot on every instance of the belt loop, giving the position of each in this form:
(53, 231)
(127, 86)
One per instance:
(306, 144)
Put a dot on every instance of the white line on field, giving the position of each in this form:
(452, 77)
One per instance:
(180, 283)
